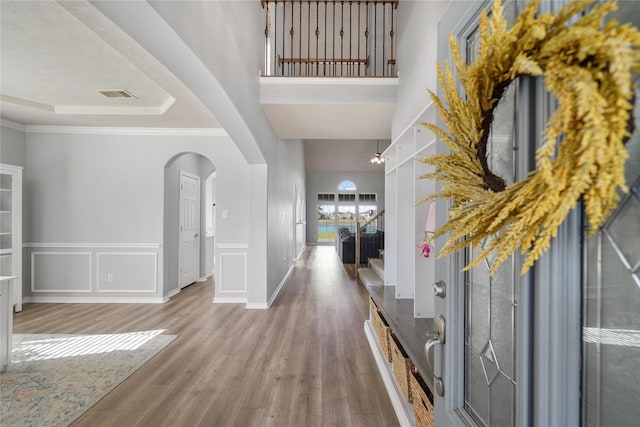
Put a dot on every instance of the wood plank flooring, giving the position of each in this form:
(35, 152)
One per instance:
(303, 362)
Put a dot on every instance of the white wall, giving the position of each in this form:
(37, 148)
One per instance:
(93, 193)
(12, 144)
(327, 182)
(226, 37)
(199, 166)
(417, 56)
(286, 177)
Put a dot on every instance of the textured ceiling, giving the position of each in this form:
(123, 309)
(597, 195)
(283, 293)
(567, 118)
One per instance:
(55, 56)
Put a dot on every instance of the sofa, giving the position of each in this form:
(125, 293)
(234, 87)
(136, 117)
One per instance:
(370, 245)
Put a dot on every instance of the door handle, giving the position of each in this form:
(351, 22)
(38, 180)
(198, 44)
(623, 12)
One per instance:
(195, 235)
(439, 337)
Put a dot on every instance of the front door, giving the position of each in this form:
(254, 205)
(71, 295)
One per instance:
(189, 229)
(477, 365)
(611, 323)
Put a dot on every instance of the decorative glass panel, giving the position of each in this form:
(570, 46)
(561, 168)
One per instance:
(490, 324)
(611, 325)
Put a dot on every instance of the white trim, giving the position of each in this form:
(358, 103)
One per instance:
(229, 300)
(280, 286)
(97, 300)
(84, 130)
(6, 167)
(320, 81)
(155, 272)
(94, 245)
(156, 110)
(256, 306)
(235, 291)
(411, 124)
(203, 279)
(12, 125)
(190, 175)
(403, 409)
(232, 245)
(173, 292)
(33, 273)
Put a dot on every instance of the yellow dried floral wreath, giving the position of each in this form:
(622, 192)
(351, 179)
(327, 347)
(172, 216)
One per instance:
(587, 66)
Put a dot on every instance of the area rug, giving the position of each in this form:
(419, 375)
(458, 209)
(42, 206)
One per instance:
(54, 379)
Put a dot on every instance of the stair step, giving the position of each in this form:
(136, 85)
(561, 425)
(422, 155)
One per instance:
(369, 277)
(377, 265)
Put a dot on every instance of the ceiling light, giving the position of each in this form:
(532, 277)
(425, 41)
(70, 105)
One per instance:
(377, 158)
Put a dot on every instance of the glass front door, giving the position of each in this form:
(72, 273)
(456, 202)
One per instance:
(611, 325)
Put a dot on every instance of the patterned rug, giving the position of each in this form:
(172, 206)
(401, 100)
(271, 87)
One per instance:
(54, 379)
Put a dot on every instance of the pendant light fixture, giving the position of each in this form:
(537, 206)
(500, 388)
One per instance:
(377, 158)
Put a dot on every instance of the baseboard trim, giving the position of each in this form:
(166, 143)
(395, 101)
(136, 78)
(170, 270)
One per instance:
(96, 300)
(173, 292)
(229, 300)
(402, 408)
(280, 286)
(256, 306)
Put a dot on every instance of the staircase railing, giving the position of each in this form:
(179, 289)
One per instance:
(376, 242)
(330, 38)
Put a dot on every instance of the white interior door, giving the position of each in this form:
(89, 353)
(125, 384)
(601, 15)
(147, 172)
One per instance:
(189, 229)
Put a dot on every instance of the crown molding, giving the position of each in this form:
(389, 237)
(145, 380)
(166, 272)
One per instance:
(12, 125)
(84, 130)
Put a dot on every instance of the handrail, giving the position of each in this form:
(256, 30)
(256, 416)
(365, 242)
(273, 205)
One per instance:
(329, 38)
(262, 2)
(371, 220)
(359, 229)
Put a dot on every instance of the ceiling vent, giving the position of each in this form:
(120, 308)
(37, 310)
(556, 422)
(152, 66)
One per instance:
(116, 93)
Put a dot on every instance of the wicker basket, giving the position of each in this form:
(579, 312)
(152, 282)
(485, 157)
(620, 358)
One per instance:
(402, 367)
(382, 330)
(422, 405)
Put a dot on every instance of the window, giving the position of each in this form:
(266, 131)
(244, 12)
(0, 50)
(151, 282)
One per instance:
(326, 197)
(346, 197)
(347, 217)
(346, 186)
(366, 213)
(367, 197)
(326, 222)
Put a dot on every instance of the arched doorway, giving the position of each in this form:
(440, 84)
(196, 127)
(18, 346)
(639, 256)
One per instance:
(188, 251)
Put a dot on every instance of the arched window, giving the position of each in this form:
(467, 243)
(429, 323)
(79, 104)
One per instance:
(346, 186)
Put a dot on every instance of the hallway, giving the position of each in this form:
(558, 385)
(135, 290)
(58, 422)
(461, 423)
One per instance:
(304, 362)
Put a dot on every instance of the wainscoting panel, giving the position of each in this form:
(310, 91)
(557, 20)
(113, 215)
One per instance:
(233, 272)
(93, 272)
(127, 271)
(61, 272)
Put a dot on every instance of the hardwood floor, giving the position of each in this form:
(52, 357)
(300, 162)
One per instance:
(303, 362)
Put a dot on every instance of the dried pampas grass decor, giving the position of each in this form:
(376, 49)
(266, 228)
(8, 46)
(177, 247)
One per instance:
(587, 65)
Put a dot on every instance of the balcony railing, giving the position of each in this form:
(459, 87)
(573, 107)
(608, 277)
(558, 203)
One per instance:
(330, 38)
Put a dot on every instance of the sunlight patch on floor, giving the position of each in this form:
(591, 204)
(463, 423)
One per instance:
(79, 345)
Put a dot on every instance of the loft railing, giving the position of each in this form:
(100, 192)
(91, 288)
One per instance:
(330, 38)
(369, 242)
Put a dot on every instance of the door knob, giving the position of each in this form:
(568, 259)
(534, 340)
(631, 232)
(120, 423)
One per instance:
(195, 235)
(440, 289)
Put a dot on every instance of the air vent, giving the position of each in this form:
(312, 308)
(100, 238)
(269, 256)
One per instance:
(116, 93)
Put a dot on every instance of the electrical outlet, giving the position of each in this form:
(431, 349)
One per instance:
(109, 278)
